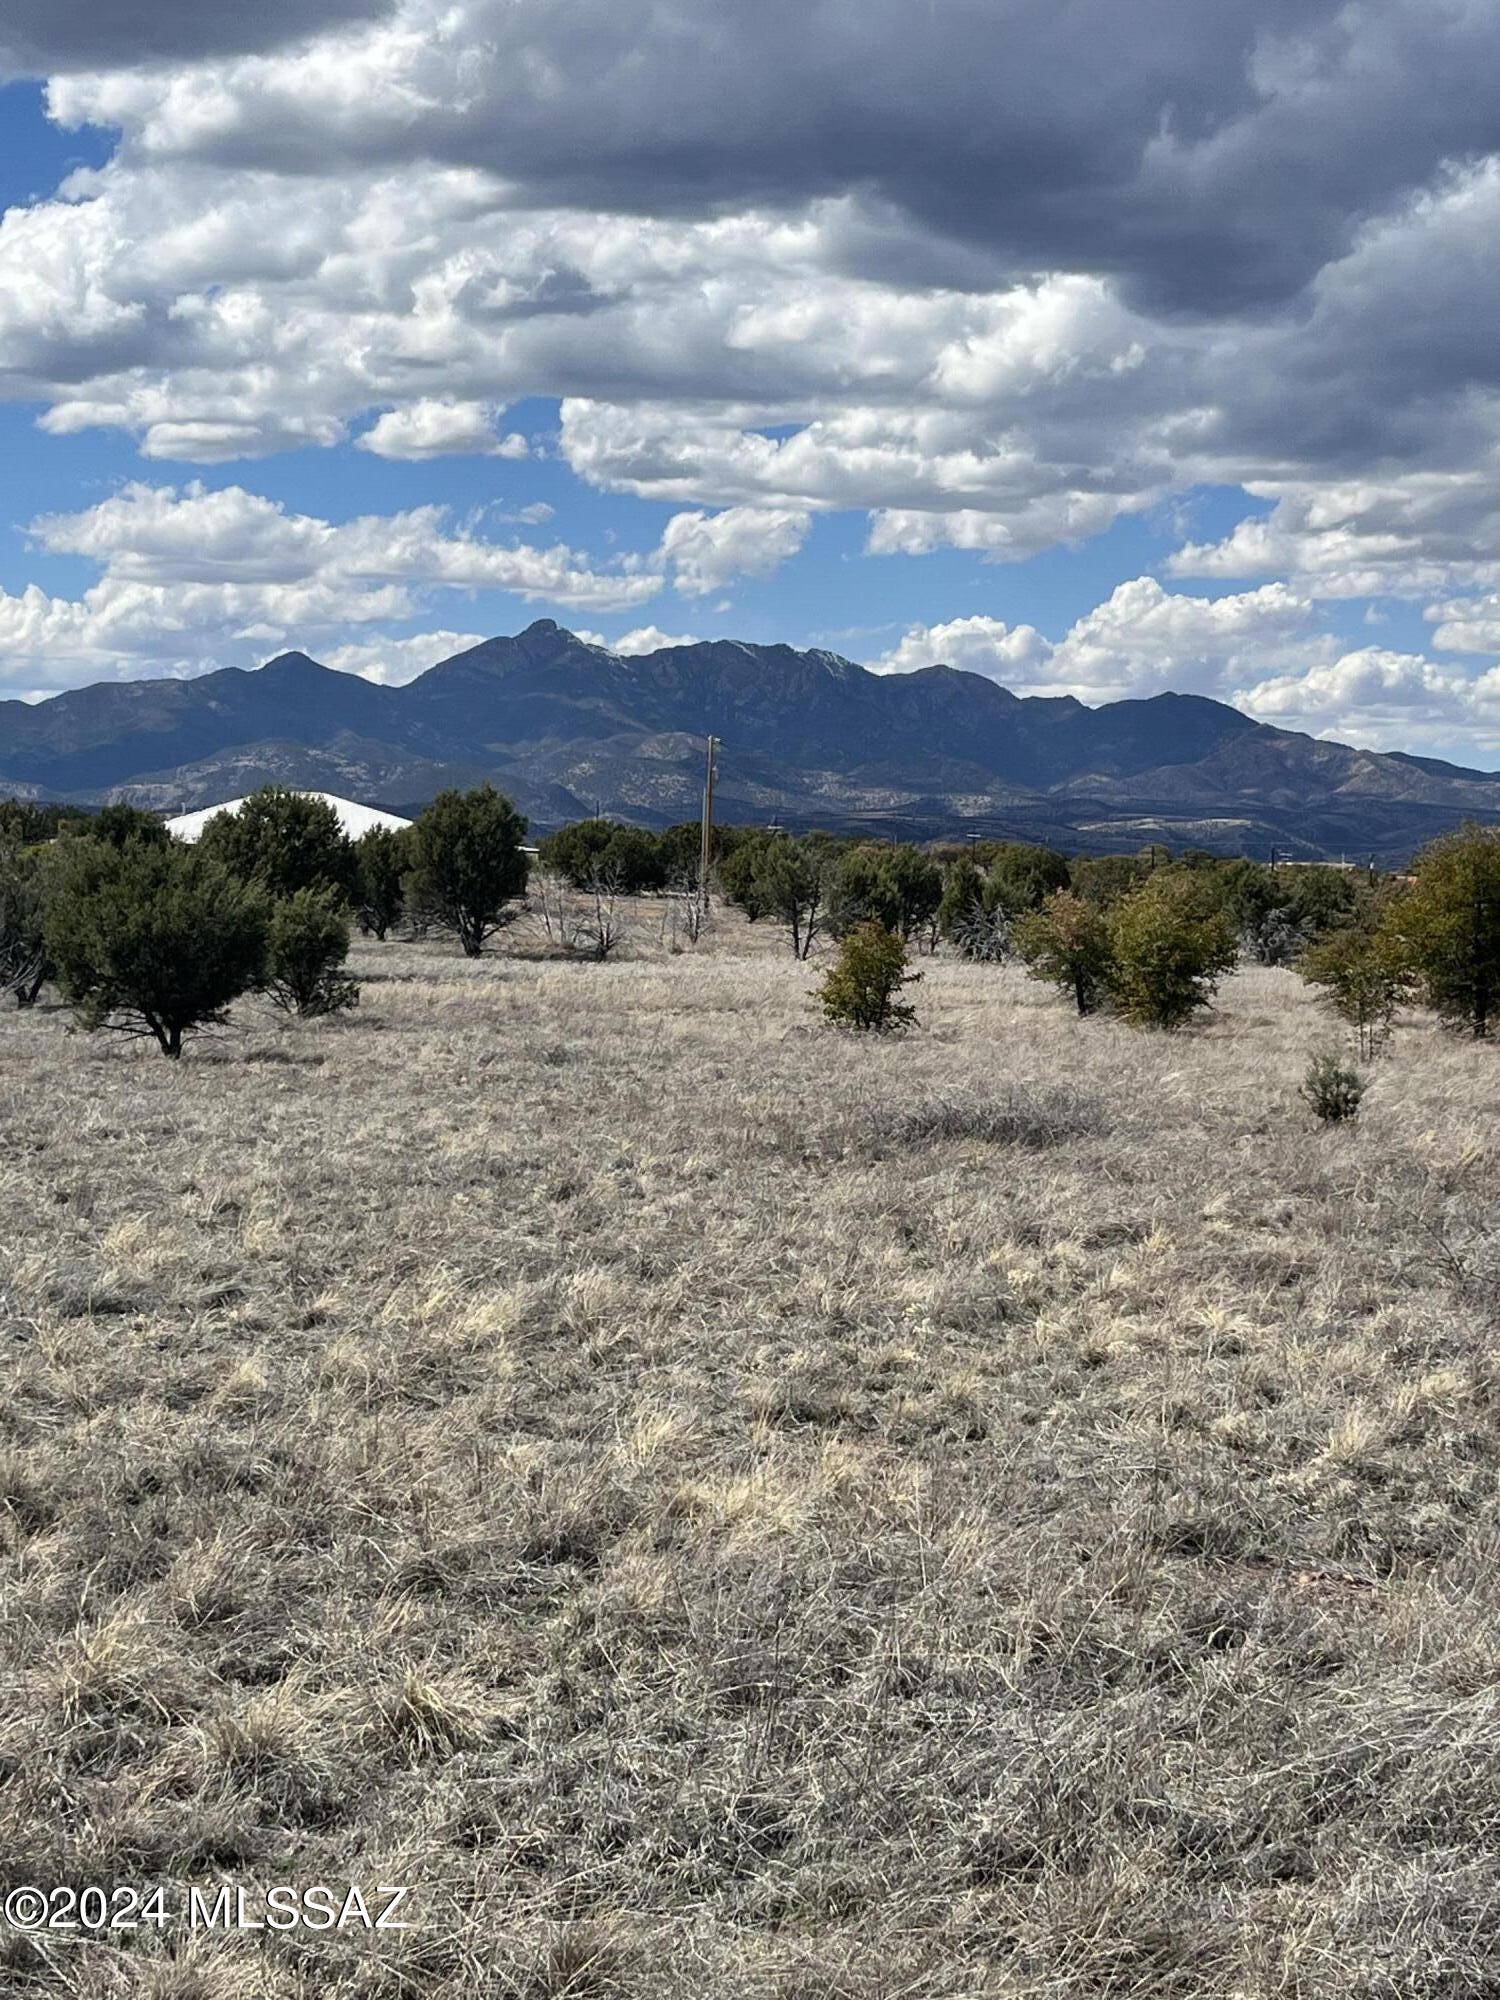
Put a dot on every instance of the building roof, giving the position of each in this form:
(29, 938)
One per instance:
(354, 818)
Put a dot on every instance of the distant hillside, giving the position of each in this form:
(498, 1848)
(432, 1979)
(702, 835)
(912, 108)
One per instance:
(808, 737)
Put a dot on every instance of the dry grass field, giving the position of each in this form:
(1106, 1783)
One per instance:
(727, 1510)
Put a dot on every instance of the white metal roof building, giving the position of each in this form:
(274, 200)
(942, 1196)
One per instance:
(354, 818)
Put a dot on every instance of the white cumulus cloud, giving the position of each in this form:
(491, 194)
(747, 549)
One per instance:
(707, 551)
(1012, 654)
(393, 662)
(1144, 639)
(1384, 700)
(1213, 246)
(192, 577)
(642, 639)
(440, 427)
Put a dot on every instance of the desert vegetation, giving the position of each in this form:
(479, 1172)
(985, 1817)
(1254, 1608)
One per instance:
(722, 1505)
(862, 987)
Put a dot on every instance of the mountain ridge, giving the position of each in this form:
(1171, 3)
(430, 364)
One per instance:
(810, 737)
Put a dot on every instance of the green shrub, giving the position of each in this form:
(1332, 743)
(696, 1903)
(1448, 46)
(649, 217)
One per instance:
(467, 865)
(306, 947)
(917, 884)
(119, 824)
(861, 987)
(962, 897)
(966, 918)
(1333, 1087)
(789, 882)
(151, 940)
(632, 864)
(681, 849)
(1281, 912)
(283, 841)
(1021, 877)
(1169, 941)
(1446, 927)
(27, 822)
(739, 870)
(1364, 977)
(382, 857)
(24, 963)
(1107, 879)
(862, 889)
(1067, 942)
(602, 855)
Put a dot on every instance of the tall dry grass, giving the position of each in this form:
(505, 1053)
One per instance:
(728, 1509)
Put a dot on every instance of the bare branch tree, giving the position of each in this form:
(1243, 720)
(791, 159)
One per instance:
(585, 921)
(685, 913)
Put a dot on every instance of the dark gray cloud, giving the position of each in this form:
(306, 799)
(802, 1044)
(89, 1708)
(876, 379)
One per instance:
(49, 37)
(1211, 158)
(997, 271)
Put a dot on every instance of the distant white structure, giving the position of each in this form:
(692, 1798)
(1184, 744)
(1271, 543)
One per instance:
(354, 818)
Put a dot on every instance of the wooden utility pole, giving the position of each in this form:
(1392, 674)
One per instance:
(705, 852)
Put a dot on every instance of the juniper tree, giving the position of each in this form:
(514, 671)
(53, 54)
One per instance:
(861, 889)
(284, 841)
(1067, 942)
(467, 866)
(24, 963)
(151, 940)
(861, 988)
(1447, 926)
(681, 848)
(1281, 913)
(382, 857)
(918, 885)
(119, 824)
(1363, 974)
(1107, 879)
(1169, 941)
(594, 852)
(962, 897)
(897, 886)
(306, 946)
(1021, 877)
(789, 883)
(739, 872)
(967, 918)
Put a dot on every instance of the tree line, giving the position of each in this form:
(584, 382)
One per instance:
(146, 935)
(1146, 937)
(153, 937)
(976, 897)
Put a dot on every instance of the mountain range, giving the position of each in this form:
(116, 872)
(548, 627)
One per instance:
(809, 739)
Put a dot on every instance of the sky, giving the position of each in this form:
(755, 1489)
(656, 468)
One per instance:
(1100, 346)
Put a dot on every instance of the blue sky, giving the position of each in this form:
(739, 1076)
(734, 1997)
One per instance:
(358, 343)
